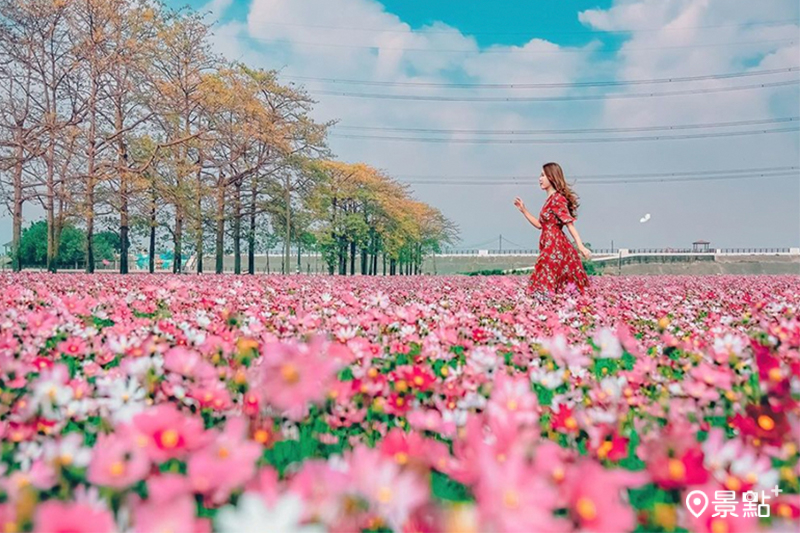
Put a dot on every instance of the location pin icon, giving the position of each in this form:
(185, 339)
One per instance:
(696, 502)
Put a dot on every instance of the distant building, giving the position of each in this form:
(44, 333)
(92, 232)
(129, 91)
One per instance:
(701, 246)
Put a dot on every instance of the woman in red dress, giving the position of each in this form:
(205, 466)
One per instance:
(558, 264)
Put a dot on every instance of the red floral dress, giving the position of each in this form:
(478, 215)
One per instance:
(558, 264)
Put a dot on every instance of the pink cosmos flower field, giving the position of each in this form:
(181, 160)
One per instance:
(409, 404)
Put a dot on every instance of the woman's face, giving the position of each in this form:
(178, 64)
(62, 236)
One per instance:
(544, 183)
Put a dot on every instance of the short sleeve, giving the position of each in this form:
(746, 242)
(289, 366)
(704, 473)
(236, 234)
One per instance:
(561, 209)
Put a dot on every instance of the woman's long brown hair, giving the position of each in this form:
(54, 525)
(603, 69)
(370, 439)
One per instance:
(556, 176)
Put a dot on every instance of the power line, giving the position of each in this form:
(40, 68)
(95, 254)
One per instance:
(490, 241)
(565, 141)
(608, 83)
(512, 50)
(509, 241)
(612, 182)
(574, 32)
(572, 131)
(635, 175)
(433, 98)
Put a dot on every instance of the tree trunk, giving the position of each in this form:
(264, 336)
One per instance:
(375, 257)
(288, 237)
(237, 228)
(299, 264)
(60, 216)
(122, 163)
(17, 210)
(352, 258)
(219, 252)
(340, 253)
(50, 208)
(91, 164)
(152, 255)
(176, 262)
(363, 261)
(384, 264)
(251, 235)
(198, 229)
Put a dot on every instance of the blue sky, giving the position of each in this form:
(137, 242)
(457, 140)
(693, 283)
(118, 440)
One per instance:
(550, 41)
(410, 43)
(555, 21)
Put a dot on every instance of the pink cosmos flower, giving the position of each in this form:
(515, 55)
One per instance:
(322, 488)
(512, 398)
(117, 462)
(7, 515)
(42, 475)
(294, 375)
(511, 497)
(41, 323)
(552, 461)
(214, 397)
(392, 492)
(72, 347)
(226, 463)
(265, 483)
(594, 497)
(166, 433)
(426, 420)
(567, 356)
(63, 516)
(188, 363)
(169, 506)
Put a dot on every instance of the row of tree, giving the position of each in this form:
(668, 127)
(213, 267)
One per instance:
(117, 114)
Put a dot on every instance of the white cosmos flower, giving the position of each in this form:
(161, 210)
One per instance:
(81, 409)
(138, 367)
(124, 398)
(483, 359)
(602, 416)
(548, 380)
(68, 451)
(609, 345)
(252, 515)
(27, 452)
(613, 386)
(729, 344)
(472, 400)
(51, 394)
(755, 469)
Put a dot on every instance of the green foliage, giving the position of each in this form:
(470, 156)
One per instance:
(107, 245)
(445, 488)
(592, 268)
(33, 245)
(490, 272)
(71, 248)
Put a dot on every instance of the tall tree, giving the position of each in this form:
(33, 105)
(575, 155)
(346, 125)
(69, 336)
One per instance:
(181, 65)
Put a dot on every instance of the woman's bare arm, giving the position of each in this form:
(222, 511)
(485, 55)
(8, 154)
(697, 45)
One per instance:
(581, 248)
(532, 219)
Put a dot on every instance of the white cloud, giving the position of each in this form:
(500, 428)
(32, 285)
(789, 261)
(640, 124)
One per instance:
(289, 35)
(218, 7)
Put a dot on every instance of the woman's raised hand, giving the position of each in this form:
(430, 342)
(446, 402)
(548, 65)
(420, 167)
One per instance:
(520, 205)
